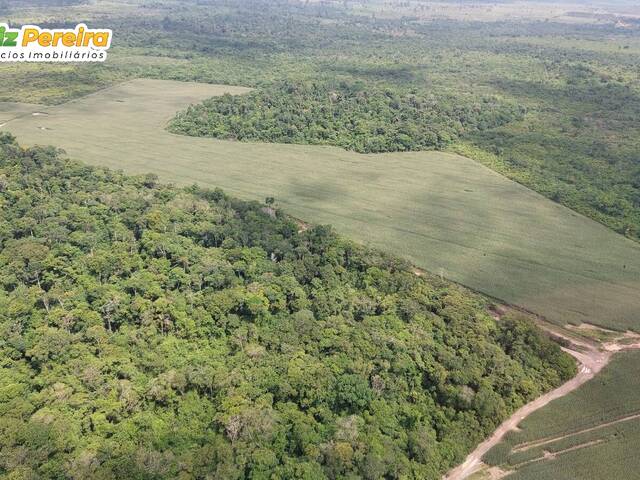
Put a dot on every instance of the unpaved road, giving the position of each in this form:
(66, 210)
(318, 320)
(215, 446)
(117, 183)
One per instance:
(590, 361)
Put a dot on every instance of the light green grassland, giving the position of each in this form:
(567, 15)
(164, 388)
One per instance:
(604, 452)
(11, 111)
(441, 211)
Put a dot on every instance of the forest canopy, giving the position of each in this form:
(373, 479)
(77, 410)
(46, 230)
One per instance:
(149, 331)
(353, 115)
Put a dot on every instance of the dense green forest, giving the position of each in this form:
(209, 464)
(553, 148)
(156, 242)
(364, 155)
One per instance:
(350, 115)
(151, 332)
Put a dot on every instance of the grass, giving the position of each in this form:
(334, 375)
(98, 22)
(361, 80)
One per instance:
(442, 211)
(602, 452)
(11, 111)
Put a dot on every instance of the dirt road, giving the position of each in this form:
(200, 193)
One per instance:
(591, 360)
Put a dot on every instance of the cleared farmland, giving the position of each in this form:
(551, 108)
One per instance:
(591, 433)
(12, 111)
(443, 212)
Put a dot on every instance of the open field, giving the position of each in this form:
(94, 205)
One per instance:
(11, 111)
(443, 212)
(591, 433)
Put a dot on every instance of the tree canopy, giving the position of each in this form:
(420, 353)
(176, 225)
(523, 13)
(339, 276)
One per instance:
(353, 115)
(149, 332)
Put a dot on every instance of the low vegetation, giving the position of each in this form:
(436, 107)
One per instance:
(155, 332)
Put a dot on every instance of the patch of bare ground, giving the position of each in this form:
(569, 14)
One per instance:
(593, 331)
(630, 336)
(588, 326)
(490, 473)
(620, 346)
(603, 334)
(302, 226)
(496, 473)
(498, 311)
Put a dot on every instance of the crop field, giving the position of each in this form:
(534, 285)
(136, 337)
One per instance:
(591, 433)
(11, 111)
(444, 212)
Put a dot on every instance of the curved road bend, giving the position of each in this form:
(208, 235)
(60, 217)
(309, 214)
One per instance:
(590, 363)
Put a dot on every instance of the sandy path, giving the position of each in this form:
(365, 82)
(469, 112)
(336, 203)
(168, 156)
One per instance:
(591, 361)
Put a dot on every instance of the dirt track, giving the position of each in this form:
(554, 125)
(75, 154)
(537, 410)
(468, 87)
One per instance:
(590, 361)
(545, 441)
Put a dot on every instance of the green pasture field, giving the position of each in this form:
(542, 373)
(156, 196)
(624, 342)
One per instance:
(11, 111)
(444, 212)
(603, 452)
